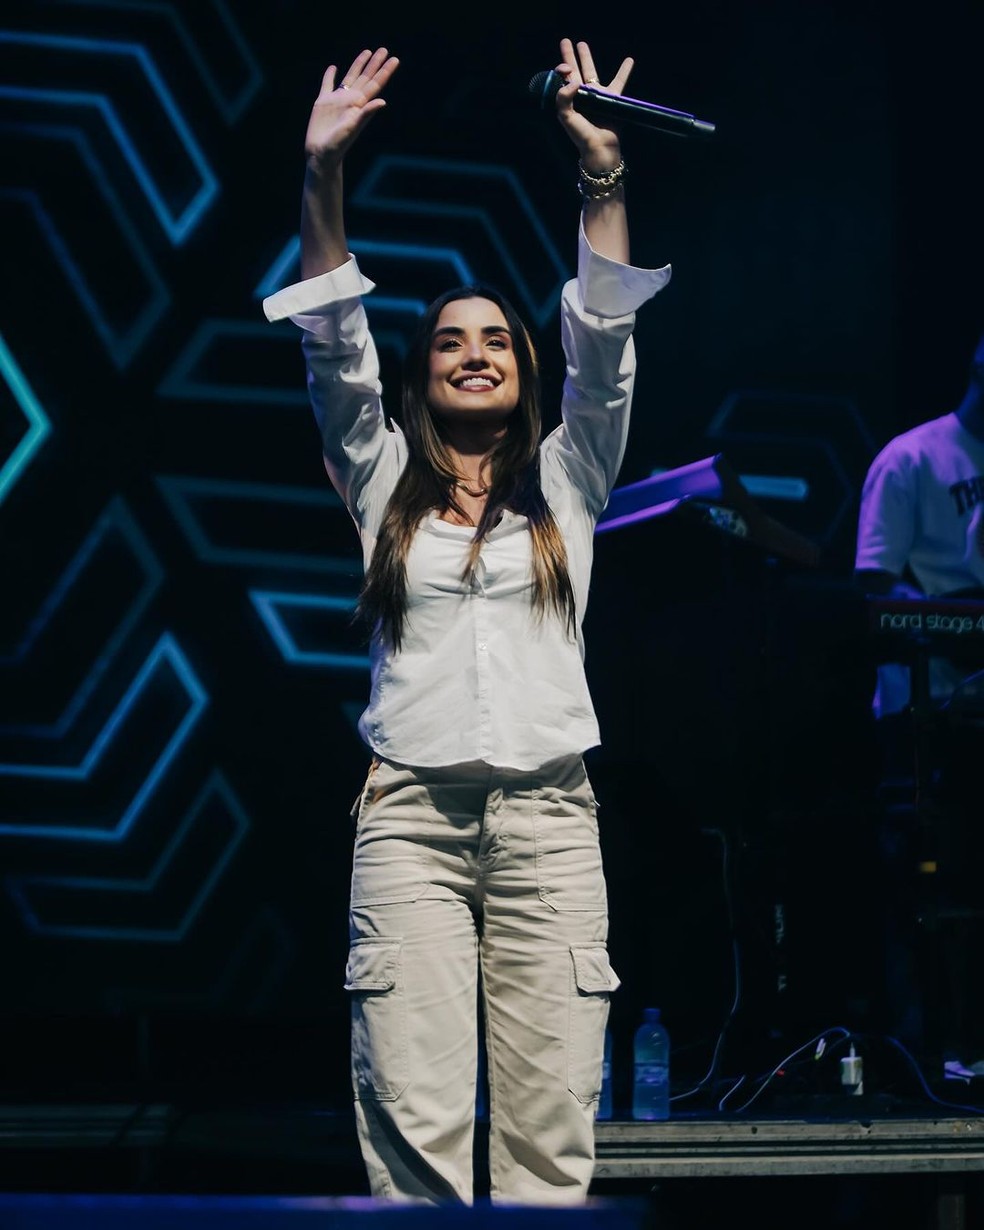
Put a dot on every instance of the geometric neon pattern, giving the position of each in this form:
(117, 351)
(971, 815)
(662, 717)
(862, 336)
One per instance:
(393, 183)
(38, 426)
(46, 902)
(286, 268)
(275, 608)
(193, 501)
(165, 658)
(229, 102)
(177, 222)
(115, 522)
(824, 437)
(122, 338)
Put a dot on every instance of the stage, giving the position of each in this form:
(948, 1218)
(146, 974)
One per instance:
(157, 1165)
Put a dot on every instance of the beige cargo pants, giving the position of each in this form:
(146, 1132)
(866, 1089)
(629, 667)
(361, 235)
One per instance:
(466, 881)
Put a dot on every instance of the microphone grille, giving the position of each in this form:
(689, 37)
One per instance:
(544, 85)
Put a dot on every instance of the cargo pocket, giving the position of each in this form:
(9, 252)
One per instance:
(591, 985)
(380, 1064)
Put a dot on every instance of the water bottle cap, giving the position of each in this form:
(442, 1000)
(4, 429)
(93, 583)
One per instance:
(652, 1014)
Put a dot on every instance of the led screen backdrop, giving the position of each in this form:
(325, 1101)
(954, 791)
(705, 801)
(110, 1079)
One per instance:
(180, 676)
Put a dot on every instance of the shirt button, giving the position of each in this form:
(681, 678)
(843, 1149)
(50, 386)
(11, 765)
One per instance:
(482, 645)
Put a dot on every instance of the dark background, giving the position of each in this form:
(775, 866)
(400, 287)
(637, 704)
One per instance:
(179, 682)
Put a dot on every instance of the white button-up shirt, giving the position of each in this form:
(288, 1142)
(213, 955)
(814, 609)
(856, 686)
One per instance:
(480, 675)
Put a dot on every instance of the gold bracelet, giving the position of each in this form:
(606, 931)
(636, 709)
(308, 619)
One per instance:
(599, 187)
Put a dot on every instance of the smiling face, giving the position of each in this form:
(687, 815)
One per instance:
(473, 376)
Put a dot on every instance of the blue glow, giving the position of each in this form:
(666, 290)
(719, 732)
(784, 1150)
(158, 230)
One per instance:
(268, 606)
(415, 252)
(230, 107)
(114, 517)
(721, 427)
(768, 486)
(180, 492)
(122, 346)
(258, 1212)
(19, 886)
(180, 381)
(369, 193)
(38, 426)
(286, 269)
(176, 226)
(167, 652)
(390, 303)
(391, 339)
(776, 487)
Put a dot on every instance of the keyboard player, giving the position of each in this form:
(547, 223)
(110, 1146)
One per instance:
(920, 536)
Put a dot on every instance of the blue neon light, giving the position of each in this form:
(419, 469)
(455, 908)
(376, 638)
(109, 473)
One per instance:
(176, 226)
(19, 886)
(180, 381)
(768, 486)
(269, 605)
(721, 427)
(114, 517)
(286, 269)
(370, 193)
(121, 345)
(166, 652)
(231, 107)
(180, 493)
(38, 425)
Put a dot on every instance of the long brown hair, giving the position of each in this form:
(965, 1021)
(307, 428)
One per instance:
(428, 479)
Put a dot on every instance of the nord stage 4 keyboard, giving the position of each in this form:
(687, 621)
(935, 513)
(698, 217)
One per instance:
(953, 627)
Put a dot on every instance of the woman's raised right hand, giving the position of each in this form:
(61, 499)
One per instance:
(341, 111)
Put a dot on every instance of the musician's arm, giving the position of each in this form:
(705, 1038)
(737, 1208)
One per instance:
(880, 584)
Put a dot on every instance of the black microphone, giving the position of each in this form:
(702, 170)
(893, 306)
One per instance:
(615, 108)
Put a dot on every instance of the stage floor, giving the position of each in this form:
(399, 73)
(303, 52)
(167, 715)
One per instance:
(717, 1147)
(685, 1145)
(818, 1169)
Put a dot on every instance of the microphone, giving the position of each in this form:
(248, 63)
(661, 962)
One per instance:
(615, 108)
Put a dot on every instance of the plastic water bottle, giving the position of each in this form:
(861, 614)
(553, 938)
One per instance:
(651, 1075)
(605, 1101)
